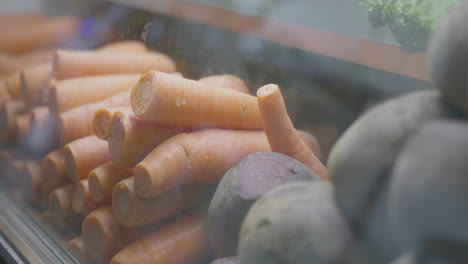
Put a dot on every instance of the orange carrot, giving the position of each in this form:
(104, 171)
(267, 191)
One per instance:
(103, 236)
(311, 142)
(20, 19)
(103, 179)
(83, 155)
(12, 82)
(102, 120)
(8, 113)
(43, 136)
(280, 131)
(46, 190)
(132, 138)
(166, 99)
(60, 201)
(41, 35)
(54, 168)
(228, 81)
(82, 202)
(133, 211)
(199, 157)
(8, 64)
(30, 179)
(4, 94)
(35, 81)
(76, 248)
(184, 241)
(74, 92)
(35, 57)
(77, 122)
(22, 128)
(72, 63)
(124, 46)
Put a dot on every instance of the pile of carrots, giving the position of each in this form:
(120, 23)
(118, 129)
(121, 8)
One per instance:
(115, 143)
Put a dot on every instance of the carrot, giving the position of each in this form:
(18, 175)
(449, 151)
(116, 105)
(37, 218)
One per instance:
(72, 63)
(124, 46)
(4, 95)
(102, 120)
(74, 92)
(22, 128)
(35, 57)
(8, 64)
(43, 136)
(35, 81)
(20, 19)
(228, 81)
(280, 131)
(12, 82)
(103, 236)
(60, 201)
(199, 157)
(31, 179)
(133, 211)
(184, 241)
(76, 248)
(77, 122)
(82, 202)
(132, 138)
(54, 168)
(83, 155)
(41, 35)
(8, 113)
(46, 190)
(103, 179)
(166, 99)
(311, 142)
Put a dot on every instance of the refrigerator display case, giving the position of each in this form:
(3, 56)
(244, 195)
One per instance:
(344, 80)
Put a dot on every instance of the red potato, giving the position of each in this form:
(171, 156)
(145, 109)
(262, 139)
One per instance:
(102, 120)
(166, 99)
(103, 179)
(282, 136)
(72, 63)
(8, 113)
(199, 157)
(82, 202)
(133, 211)
(83, 155)
(35, 81)
(132, 138)
(41, 35)
(70, 93)
(77, 122)
(183, 241)
(54, 168)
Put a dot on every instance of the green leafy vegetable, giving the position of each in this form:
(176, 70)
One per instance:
(411, 21)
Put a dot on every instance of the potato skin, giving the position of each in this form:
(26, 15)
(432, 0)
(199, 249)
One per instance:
(448, 57)
(295, 223)
(240, 187)
(361, 162)
(428, 191)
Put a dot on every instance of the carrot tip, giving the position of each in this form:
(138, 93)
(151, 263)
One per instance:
(70, 163)
(143, 184)
(101, 120)
(94, 186)
(141, 93)
(123, 201)
(267, 90)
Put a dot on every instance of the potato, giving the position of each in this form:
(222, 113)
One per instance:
(296, 223)
(361, 162)
(448, 57)
(231, 260)
(429, 189)
(253, 176)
